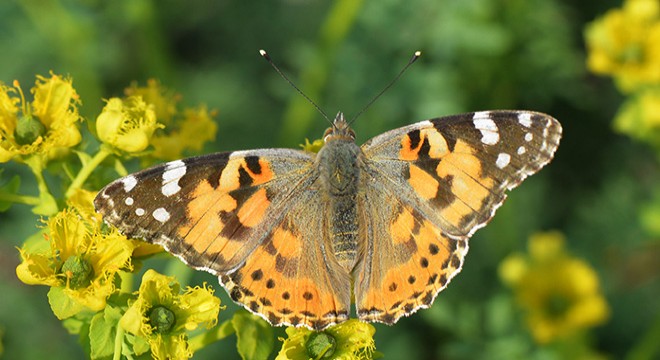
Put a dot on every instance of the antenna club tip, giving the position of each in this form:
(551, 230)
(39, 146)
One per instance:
(417, 53)
(263, 53)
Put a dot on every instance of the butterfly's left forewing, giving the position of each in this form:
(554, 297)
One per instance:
(432, 185)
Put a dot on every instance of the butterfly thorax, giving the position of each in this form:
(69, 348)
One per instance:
(339, 173)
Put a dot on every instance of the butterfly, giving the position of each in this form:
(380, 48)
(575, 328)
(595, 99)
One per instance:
(297, 237)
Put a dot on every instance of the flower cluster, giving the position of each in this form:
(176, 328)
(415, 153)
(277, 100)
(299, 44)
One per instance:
(625, 44)
(184, 131)
(559, 293)
(89, 266)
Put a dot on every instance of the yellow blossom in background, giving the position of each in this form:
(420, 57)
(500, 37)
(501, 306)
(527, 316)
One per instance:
(162, 99)
(194, 128)
(185, 131)
(127, 124)
(625, 43)
(162, 315)
(314, 146)
(76, 260)
(559, 293)
(46, 126)
(639, 117)
(352, 339)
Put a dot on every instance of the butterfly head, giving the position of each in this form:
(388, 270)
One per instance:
(340, 130)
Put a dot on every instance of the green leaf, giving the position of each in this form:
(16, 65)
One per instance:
(254, 336)
(103, 332)
(138, 345)
(63, 306)
(74, 325)
(11, 187)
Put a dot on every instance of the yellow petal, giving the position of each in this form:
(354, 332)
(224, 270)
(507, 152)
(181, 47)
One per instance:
(54, 101)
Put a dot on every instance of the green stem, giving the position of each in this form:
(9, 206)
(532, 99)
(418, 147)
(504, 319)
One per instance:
(119, 340)
(23, 199)
(86, 170)
(47, 205)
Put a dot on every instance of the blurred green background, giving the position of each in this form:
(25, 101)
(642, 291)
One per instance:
(477, 55)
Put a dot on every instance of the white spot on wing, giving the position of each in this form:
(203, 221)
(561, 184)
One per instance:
(174, 171)
(489, 133)
(529, 137)
(521, 150)
(503, 160)
(129, 183)
(525, 119)
(161, 215)
(139, 211)
(129, 201)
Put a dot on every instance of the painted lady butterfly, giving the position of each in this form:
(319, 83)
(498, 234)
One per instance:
(295, 236)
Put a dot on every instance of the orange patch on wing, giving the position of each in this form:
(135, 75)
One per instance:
(265, 175)
(468, 185)
(229, 180)
(204, 207)
(401, 227)
(423, 183)
(437, 145)
(437, 142)
(286, 242)
(252, 211)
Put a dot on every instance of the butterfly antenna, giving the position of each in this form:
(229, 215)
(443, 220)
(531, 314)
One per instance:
(272, 63)
(414, 58)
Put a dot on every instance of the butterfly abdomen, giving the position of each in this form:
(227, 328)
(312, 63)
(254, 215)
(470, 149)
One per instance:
(340, 176)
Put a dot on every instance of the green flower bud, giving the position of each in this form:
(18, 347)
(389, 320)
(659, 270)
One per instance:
(161, 319)
(28, 130)
(79, 272)
(320, 345)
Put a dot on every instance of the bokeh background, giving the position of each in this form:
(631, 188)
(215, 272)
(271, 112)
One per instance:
(601, 194)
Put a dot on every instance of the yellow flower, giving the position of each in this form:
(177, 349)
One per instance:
(559, 293)
(127, 124)
(194, 129)
(47, 125)
(625, 43)
(163, 100)
(76, 260)
(352, 339)
(184, 132)
(162, 315)
(313, 146)
(639, 117)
